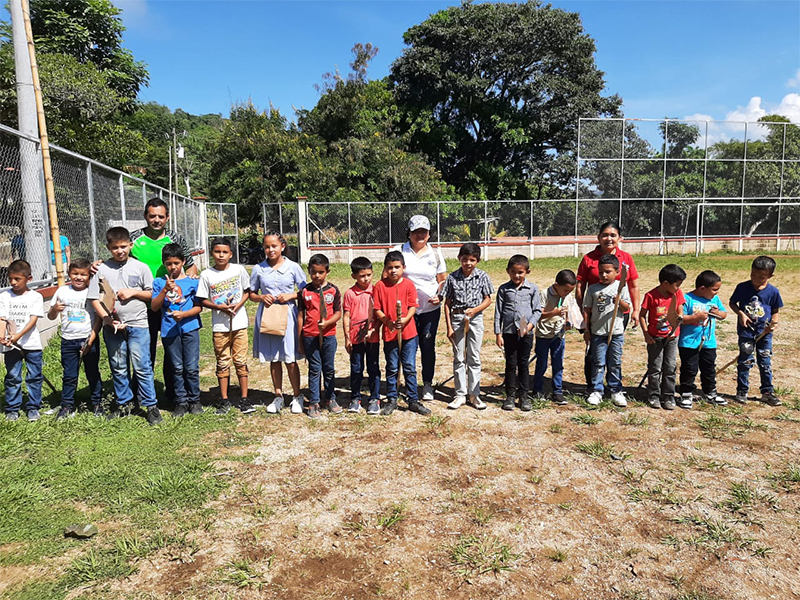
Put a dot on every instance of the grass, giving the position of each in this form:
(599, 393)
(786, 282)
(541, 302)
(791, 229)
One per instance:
(599, 449)
(475, 555)
(633, 419)
(556, 555)
(244, 573)
(392, 515)
(585, 419)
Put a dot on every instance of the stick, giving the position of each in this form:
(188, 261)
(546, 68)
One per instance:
(623, 281)
(323, 314)
(11, 329)
(767, 329)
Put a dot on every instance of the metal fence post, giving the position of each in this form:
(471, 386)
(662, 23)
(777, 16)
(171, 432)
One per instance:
(486, 228)
(697, 232)
(744, 181)
(438, 223)
(122, 202)
(662, 244)
(90, 193)
(349, 236)
(280, 216)
(144, 195)
(780, 193)
(389, 204)
(578, 183)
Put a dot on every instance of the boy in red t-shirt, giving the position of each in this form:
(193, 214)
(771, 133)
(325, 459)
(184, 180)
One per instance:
(395, 304)
(317, 329)
(662, 337)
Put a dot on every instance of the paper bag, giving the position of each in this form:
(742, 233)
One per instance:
(274, 318)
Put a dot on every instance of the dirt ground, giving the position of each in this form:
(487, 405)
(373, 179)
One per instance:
(562, 502)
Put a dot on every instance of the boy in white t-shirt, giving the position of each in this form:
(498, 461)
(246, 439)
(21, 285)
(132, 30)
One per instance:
(222, 289)
(22, 307)
(79, 340)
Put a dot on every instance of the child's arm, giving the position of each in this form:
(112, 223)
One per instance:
(498, 319)
(337, 314)
(587, 318)
(448, 320)
(412, 310)
(624, 306)
(179, 315)
(643, 323)
(127, 294)
(55, 309)
(158, 299)
(105, 317)
(31, 324)
(773, 322)
(473, 312)
(301, 349)
(348, 345)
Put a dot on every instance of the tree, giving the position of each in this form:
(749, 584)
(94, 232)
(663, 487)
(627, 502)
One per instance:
(492, 89)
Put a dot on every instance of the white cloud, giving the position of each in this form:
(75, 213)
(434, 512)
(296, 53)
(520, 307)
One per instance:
(135, 13)
(794, 82)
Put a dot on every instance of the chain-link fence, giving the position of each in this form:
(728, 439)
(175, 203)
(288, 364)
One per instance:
(90, 198)
(222, 220)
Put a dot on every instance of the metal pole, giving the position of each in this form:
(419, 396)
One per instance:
(662, 244)
(697, 232)
(90, 190)
(349, 236)
(621, 174)
(390, 223)
(780, 193)
(122, 201)
(302, 228)
(486, 227)
(280, 217)
(744, 180)
(578, 183)
(438, 223)
(144, 195)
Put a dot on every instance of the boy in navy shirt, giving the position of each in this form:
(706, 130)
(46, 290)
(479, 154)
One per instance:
(756, 303)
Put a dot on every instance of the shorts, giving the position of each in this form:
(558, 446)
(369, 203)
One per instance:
(231, 347)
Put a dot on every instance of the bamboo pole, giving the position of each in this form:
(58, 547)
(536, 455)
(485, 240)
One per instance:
(55, 234)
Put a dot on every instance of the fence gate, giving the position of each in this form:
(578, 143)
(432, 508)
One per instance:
(222, 219)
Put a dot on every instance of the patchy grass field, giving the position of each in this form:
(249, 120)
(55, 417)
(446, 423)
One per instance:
(572, 502)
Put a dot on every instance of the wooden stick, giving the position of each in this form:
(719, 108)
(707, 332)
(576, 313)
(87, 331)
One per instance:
(767, 329)
(623, 281)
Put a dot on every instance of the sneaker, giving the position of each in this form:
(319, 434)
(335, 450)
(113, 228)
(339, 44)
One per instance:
(717, 400)
(374, 407)
(668, 404)
(419, 408)
(222, 407)
(333, 407)
(296, 406)
(245, 407)
(618, 398)
(12, 416)
(65, 412)
(154, 415)
(195, 408)
(121, 411)
(355, 406)
(98, 410)
(33, 415)
(313, 411)
(180, 411)
(654, 402)
(458, 402)
(771, 399)
(525, 403)
(427, 391)
(275, 406)
(685, 401)
(558, 398)
(741, 398)
(476, 403)
(389, 406)
(595, 398)
(508, 403)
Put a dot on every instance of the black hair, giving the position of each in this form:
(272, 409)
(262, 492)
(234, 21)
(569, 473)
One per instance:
(609, 259)
(706, 279)
(566, 277)
(221, 241)
(517, 259)
(610, 225)
(470, 249)
(172, 251)
(79, 263)
(118, 234)
(394, 256)
(319, 260)
(671, 274)
(277, 234)
(156, 202)
(359, 264)
(20, 267)
(764, 263)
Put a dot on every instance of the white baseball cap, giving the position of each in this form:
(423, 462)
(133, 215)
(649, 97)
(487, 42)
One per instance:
(419, 222)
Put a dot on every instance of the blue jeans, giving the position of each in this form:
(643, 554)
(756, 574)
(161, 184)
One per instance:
(130, 345)
(13, 379)
(607, 357)
(71, 363)
(427, 324)
(554, 347)
(320, 362)
(367, 352)
(184, 355)
(408, 360)
(762, 356)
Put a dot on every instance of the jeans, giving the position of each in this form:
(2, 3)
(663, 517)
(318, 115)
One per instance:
(762, 355)
(408, 360)
(607, 360)
(518, 354)
(467, 355)
(693, 359)
(13, 379)
(184, 355)
(554, 347)
(366, 352)
(320, 362)
(662, 364)
(71, 363)
(130, 345)
(588, 369)
(154, 324)
(427, 324)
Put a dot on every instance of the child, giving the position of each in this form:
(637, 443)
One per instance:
(661, 337)
(174, 295)
(697, 345)
(467, 293)
(550, 332)
(79, 340)
(126, 331)
(23, 307)
(361, 337)
(395, 300)
(321, 305)
(516, 312)
(756, 303)
(276, 281)
(598, 307)
(224, 288)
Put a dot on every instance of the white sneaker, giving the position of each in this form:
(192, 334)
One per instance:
(685, 401)
(275, 406)
(595, 398)
(618, 398)
(296, 405)
(427, 391)
(457, 403)
(476, 403)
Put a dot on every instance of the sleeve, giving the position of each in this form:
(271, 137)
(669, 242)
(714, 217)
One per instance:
(488, 288)
(158, 285)
(377, 297)
(441, 265)
(498, 310)
(37, 305)
(301, 302)
(147, 277)
(94, 287)
(777, 301)
(588, 299)
(299, 277)
(718, 303)
(244, 279)
(347, 301)
(447, 288)
(187, 252)
(647, 302)
(411, 295)
(536, 305)
(202, 287)
(56, 297)
(337, 300)
(583, 270)
(255, 280)
(626, 295)
(632, 272)
(733, 301)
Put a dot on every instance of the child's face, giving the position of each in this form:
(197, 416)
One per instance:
(517, 273)
(19, 282)
(174, 267)
(670, 289)
(318, 275)
(79, 278)
(394, 270)
(607, 274)
(564, 289)
(119, 250)
(222, 255)
(273, 248)
(760, 277)
(468, 263)
(710, 291)
(363, 278)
